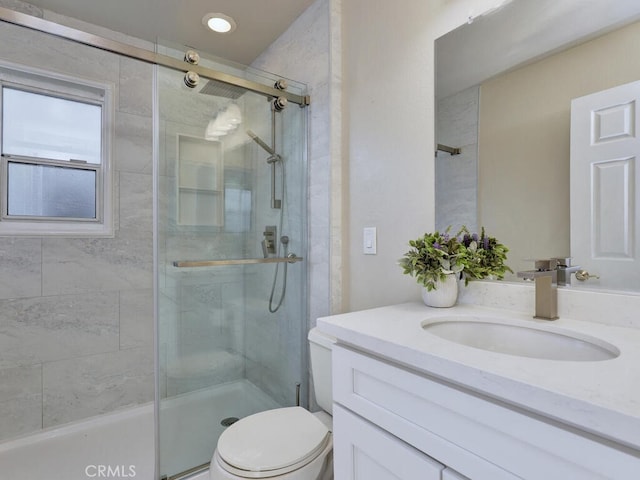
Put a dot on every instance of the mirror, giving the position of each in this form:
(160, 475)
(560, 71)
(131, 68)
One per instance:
(504, 85)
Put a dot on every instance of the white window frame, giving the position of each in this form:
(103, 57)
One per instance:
(71, 88)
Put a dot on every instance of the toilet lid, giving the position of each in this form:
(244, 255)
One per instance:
(272, 440)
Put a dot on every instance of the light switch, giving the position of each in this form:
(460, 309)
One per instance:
(369, 241)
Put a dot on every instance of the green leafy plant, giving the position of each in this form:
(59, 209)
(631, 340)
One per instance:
(432, 257)
(485, 256)
(435, 255)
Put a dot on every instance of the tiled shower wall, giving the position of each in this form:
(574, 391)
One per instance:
(302, 53)
(76, 315)
(275, 342)
(457, 175)
(76, 331)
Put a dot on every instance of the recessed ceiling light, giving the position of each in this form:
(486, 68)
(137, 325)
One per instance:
(219, 22)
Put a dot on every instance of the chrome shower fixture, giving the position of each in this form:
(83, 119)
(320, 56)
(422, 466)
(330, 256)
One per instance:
(192, 57)
(273, 159)
(265, 147)
(280, 103)
(281, 84)
(191, 79)
(269, 245)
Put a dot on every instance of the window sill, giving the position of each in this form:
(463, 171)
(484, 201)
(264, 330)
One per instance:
(55, 229)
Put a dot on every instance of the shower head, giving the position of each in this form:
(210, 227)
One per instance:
(219, 89)
(260, 142)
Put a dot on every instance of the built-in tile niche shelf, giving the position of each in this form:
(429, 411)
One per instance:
(200, 182)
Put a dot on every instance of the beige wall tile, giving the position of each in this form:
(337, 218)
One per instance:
(136, 318)
(20, 267)
(91, 265)
(83, 387)
(135, 88)
(133, 143)
(42, 329)
(20, 400)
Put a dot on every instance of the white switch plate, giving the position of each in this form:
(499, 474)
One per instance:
(369, 241)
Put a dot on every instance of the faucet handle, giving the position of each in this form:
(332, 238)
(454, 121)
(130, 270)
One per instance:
(562, 262)
(565, 269)
(545, 265)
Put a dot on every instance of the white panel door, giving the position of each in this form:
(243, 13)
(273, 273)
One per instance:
(605, 194)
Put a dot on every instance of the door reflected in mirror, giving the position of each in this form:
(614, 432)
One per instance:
(504, 87)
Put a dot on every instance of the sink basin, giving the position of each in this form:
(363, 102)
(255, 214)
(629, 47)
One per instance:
(515, 338)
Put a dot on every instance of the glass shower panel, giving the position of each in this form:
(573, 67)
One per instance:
(223, 355)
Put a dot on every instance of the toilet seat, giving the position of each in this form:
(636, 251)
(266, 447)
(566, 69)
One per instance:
(271, 443)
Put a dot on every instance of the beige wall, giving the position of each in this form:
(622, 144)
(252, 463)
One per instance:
(524, 142)
(388, 98)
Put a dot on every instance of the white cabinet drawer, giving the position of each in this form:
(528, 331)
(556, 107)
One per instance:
(364, 452)
(449, 423)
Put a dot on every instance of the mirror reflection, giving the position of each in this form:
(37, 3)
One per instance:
(504, 89)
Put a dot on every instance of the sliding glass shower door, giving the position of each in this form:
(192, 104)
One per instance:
(231, 231)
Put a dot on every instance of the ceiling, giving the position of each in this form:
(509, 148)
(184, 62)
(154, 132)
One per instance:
(259, 22)
(477, 51)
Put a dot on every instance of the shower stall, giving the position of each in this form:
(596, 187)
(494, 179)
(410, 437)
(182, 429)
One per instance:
(231, 231)
(189, 309)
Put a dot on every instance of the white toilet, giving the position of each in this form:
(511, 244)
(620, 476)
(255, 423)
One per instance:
(285, 443)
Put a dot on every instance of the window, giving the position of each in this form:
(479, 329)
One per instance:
(55, 175)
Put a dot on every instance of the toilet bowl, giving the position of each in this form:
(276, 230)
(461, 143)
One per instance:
(285, 443)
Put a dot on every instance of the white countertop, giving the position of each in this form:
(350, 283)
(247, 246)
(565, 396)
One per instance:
(602, 397)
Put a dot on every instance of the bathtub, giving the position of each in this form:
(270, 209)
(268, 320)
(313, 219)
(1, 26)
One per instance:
(120, 445)
(117, 445)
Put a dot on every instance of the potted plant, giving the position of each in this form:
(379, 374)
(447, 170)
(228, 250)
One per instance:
(484, 257)
(437, 260)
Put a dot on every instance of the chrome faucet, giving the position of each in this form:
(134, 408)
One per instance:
(547, 273)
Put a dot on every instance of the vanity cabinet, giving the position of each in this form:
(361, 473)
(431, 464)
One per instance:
(449, 474)
(391, 421)
(368, 452)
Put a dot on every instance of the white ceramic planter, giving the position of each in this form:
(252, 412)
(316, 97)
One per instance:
(444, 295)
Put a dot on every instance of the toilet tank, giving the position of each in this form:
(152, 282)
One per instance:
(320, 345)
